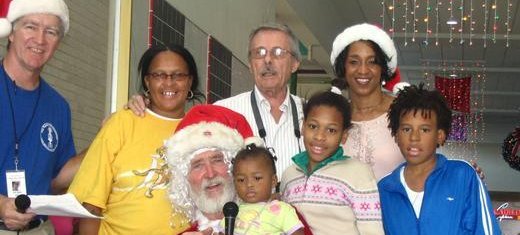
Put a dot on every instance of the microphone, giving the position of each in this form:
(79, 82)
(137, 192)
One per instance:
(22, 202)
(230, 211)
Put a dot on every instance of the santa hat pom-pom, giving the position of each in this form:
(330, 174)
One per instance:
(399, 87)
(5, 27)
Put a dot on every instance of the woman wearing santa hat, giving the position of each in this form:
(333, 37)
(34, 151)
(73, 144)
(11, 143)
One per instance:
(365, 59)
(124, 174)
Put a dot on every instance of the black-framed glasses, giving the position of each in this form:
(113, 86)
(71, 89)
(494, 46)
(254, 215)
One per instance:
(176, 77)
(275, 52)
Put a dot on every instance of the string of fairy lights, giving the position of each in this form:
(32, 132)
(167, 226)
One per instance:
(467, 128)
(412, 17)
(464, 22)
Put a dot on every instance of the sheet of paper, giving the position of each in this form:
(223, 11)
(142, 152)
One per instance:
(61, 205)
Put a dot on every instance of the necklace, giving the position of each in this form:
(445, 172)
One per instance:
(369, 107)
(367, 112)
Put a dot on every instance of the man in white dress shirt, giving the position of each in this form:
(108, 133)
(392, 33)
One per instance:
(273, 55)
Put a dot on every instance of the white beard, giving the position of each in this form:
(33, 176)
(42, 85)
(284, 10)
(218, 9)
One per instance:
(208, 204)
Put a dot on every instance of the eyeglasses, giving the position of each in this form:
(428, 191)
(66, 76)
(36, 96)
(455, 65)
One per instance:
(176, 77)
(275, 52)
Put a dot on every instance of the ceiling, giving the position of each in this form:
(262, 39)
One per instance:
(317, 22)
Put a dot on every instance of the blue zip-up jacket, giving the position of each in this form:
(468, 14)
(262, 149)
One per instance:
(455, 202)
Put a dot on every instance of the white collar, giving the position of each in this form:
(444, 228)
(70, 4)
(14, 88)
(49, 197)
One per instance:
(161, 116)
(204, 223)
(262, 100)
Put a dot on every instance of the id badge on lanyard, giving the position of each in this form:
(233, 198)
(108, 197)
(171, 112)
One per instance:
(15, 181)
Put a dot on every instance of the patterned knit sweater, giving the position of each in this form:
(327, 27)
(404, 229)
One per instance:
(340, 197)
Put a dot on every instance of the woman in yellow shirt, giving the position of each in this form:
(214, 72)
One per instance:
(123, 176)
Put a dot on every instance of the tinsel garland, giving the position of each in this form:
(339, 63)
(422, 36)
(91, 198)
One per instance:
(510, 149)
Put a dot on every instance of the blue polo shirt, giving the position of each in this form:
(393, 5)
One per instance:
(45, 137)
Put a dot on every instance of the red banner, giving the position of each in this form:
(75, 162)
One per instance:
(456, 91)
(505, 213)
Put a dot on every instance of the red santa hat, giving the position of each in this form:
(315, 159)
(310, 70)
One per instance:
(210, 126)
(395, 85)
(14, 9)
(205, 127)
(365, 32)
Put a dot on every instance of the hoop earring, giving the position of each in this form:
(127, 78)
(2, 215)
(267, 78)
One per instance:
(190, 95)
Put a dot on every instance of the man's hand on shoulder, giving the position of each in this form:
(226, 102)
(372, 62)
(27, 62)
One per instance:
(137, 104)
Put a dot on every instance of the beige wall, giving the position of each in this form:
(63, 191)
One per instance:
(230, 22)
(79, 68)
(499, 176)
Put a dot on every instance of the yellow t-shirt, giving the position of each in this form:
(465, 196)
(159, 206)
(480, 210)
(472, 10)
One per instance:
(107, 176)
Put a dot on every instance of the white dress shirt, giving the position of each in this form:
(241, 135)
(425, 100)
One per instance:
(279, 136)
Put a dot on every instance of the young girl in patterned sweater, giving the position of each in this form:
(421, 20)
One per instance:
(336, 194)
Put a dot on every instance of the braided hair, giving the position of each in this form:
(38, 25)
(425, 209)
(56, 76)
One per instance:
(332, 98)
(252, 151)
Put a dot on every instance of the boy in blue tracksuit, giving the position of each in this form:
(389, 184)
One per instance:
(429, 194)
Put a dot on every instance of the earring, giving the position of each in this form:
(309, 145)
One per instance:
(383, 83)
(146, 93)
(190, 95)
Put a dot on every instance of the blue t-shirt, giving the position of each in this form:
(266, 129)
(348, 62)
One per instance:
(45, 137)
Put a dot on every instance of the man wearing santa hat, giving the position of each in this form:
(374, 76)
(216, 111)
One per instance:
(199, 156)
(36, 129)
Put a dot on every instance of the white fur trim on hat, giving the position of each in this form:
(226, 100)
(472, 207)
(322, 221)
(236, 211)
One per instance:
(19, 8)
(365, 32)
(399, 87)
(202, 135)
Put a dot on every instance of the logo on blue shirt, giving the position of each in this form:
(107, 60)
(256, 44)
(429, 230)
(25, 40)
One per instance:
(49, 137)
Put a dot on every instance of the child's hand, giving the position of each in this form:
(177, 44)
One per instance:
(478, 170)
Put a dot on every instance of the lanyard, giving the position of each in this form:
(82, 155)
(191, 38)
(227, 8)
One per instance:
(17, 138)
(260, 124)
